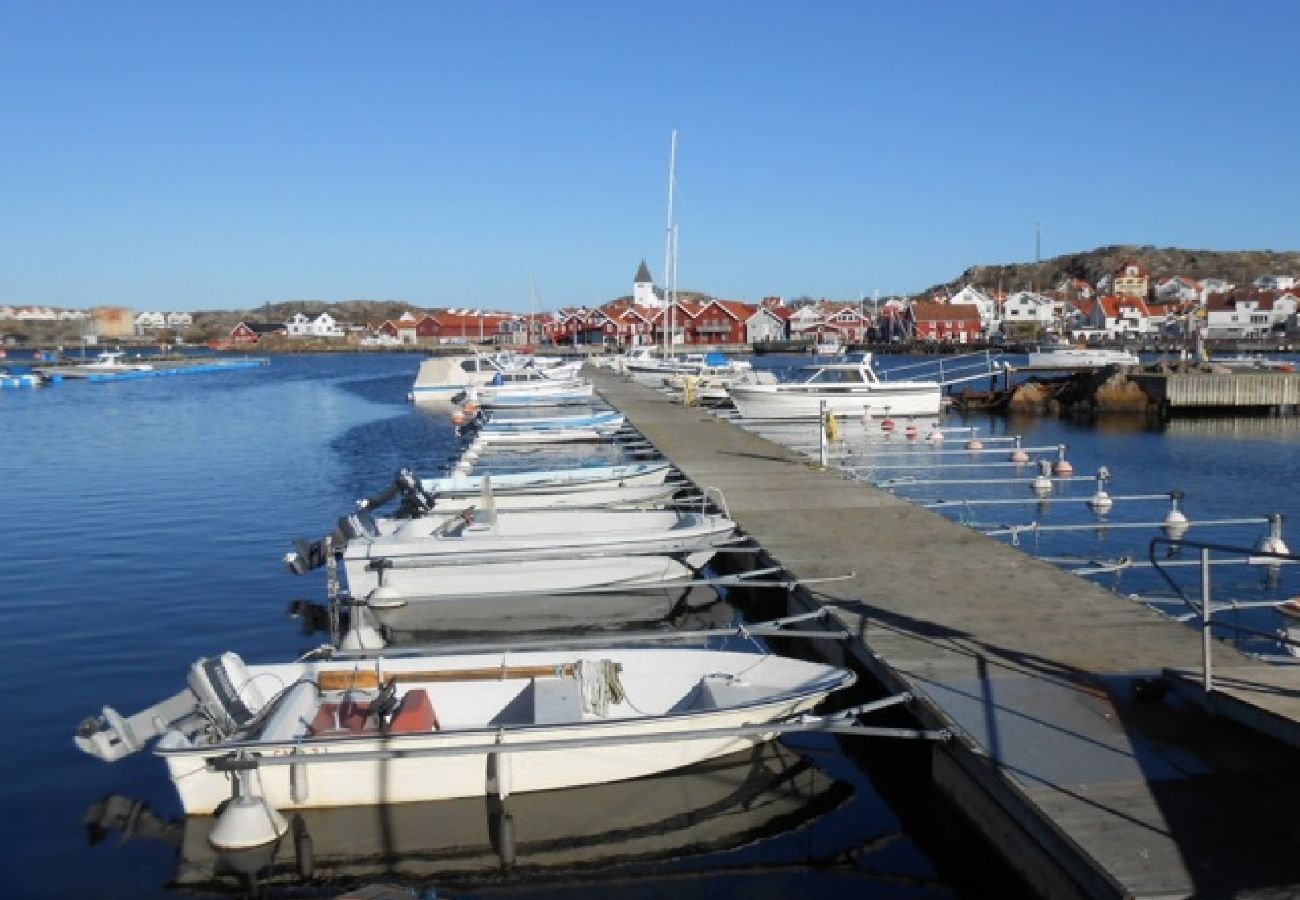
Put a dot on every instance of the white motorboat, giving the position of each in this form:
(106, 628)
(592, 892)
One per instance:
(548, 366)
(322, 733)
(440, 378)
(1246, 363)
(848, 387)
(488, 422)
(112, 362)
(551, 480)
(528, 388)
(419, 500)
(1061, 357)
(497, 551)
(489, 438)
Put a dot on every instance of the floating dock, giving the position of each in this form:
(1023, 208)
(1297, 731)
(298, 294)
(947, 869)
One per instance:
(1071, 753)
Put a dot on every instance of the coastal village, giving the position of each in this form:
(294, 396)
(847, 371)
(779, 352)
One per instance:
(1128, 304)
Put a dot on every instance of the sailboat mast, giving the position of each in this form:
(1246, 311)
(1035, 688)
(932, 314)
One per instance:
(532, 302)
(670, 249)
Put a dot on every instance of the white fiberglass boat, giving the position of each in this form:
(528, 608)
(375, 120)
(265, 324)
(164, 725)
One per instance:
(319, 733)
(499, 551)
(1058, 357)
(849, 387)
(545, 481)
(440, 378)
(112, 361)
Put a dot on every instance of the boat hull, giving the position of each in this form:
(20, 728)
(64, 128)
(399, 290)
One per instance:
(418, 584)
(514, 614)
(775, 401)
(474, 773)
(576, 479)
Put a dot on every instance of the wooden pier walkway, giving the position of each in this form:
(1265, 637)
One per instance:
(1071, 756)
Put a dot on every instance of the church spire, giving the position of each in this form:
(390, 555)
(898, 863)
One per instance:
(643, 275)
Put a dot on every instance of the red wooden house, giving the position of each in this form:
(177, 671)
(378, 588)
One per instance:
(956, 323)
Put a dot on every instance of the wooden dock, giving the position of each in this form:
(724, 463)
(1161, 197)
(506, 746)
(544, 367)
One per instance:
(1071, 755)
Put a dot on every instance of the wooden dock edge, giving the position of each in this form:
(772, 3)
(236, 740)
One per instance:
(1050, 863)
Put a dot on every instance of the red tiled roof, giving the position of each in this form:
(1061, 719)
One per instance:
(923, 311)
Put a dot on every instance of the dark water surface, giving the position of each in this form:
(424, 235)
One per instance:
(145, 522)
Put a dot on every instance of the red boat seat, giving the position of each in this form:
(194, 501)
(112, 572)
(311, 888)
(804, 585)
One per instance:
(414, 714)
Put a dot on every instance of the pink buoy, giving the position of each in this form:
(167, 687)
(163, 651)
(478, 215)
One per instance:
(1062, 465)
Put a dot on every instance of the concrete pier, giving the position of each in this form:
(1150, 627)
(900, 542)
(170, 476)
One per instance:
(1071, 755)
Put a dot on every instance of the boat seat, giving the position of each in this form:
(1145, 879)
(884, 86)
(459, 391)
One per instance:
(350, 716)
(353, 716)
(414, 714)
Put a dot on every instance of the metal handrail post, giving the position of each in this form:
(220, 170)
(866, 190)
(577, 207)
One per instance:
(1207, 614)
(823, 444)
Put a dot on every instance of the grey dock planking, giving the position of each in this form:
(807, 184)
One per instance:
(1068, 756)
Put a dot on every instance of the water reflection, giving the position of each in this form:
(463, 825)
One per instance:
(737, 801)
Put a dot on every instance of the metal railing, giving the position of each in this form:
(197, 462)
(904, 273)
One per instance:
(1204, 607)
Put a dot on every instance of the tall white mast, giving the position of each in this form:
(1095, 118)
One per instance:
(532, 315)
(670, 248)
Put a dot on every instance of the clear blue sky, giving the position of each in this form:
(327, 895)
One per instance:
(180, 155)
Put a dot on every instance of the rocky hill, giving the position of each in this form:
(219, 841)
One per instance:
(1235, 266)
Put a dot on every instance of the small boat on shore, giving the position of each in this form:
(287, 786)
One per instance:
(327, 733)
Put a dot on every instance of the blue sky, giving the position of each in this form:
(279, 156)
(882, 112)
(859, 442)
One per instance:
(224, 155)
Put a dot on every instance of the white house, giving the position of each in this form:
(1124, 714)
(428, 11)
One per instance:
(1178, 289)
(764, 325)
(1214, 286)
(146, 322)
(1241, 315)
(1275, 282)
(36, 314)
(324, 325)
(973, 296)
(804, 318)
(179, 321)
(1029, 308)
(1120, 316)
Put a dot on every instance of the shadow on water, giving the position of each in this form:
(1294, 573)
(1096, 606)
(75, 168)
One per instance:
(791, 817)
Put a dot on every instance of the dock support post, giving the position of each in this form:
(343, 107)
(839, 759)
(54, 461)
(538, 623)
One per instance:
(1206, 617)
(823, 449)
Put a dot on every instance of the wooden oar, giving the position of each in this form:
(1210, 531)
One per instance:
(368, 679)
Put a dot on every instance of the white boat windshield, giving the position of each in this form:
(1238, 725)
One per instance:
(838, 375)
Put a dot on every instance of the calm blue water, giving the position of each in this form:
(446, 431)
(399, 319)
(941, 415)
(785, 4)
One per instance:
(145, 522)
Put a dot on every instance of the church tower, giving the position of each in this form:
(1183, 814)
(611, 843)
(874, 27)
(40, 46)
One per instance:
(643, 289)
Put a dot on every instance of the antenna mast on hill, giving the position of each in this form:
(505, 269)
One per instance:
(670, 247)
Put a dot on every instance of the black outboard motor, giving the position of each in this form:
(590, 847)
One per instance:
(416, 501)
